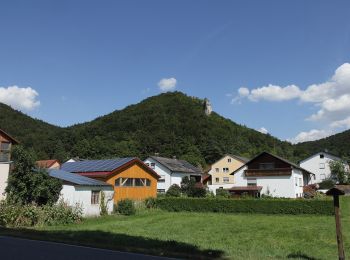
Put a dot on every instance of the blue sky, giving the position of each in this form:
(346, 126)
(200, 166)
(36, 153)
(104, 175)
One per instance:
(279, 65)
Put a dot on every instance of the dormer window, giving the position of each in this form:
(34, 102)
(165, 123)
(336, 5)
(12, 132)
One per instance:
(321, 156)
(5, 146)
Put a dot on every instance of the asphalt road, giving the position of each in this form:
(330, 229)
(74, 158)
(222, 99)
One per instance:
(18, 249)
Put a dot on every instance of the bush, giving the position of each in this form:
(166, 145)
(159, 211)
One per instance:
(222, 193)
(150, 203)
(15, 215)
(326, 184)
(174, 191)
(265, 206)
(126, 207)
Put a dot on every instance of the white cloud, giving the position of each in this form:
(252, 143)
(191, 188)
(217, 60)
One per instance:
(341, 123)
(331, 98)
(263, 130)
(166, 85)
(21, 98)
(274, 93)
(311, 135)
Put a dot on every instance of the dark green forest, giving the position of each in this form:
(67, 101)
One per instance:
(169, 124)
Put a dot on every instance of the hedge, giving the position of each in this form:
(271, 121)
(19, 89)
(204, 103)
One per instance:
(263, 206)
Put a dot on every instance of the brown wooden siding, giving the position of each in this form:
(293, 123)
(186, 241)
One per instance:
(267, 158)
(134, 193)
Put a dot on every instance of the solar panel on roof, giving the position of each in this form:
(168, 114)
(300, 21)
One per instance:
(75, 178)
(95, 165)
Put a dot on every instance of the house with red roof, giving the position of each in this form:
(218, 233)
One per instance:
(130, 177)
(48, 164)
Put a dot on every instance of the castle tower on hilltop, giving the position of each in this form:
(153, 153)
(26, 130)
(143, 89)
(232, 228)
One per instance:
(207, 107)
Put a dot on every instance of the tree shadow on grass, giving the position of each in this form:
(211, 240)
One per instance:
(300, 255)
(120, 242)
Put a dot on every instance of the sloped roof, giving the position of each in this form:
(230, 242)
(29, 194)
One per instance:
(76, 178)
(104, 168)
(13, 140)
(321, 152)
(95, 165)
(176, 165)
(240, 158)
(46, 163)
(278, 157)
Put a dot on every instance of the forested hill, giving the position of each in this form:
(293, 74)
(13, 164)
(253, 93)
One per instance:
(170, 124)
(338, 144)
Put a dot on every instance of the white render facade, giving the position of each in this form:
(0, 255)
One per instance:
(167, 177)
(287, 186)
(318, 164)
(4, 174)
(74, 195)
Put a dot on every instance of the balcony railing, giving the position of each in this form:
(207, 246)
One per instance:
(268, 172)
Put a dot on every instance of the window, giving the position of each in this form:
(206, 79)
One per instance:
(322, 166)
(296, 181)
(225, 169)
(132, 182)
(226, 179)
(161, 179)
(5, 151)
(300, 182)
(95, 197)
(266, 166)
(251, 182)
(153, 166)
(217, 180)
(229, 160)
(321, 156)
(322, 177)
(161, 190)
(217, 169)
(5, 146)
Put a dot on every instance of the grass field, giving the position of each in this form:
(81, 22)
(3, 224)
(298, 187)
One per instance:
(206, 235)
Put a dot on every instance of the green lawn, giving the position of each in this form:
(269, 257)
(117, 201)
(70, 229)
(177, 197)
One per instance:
(207, 235)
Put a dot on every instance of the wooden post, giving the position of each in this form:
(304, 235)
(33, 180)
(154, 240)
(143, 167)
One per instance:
(338, 227)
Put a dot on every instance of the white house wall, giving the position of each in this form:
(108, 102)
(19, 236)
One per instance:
(81, 195)
(276, 186)
(312, 164)
(170, 177)
(4, 174)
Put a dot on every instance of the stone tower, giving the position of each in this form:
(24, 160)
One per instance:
(207, 107)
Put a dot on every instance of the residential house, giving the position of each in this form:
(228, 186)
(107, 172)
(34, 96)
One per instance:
(271, 175)
(48, 164)
(172, 171)
(6, 143)
(319, 165)
(219, 175)
(130, 177)
(85, 192)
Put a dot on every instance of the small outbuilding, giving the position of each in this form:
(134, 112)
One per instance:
(85, 192)
(130, 177)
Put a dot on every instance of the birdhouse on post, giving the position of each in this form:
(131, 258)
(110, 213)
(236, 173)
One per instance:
(336, 191)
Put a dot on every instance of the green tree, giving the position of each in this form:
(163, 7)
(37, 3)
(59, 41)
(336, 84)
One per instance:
(339, 173)
(26, 184)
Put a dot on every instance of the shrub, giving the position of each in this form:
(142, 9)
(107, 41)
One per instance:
(326, 184)
(265, 206)
(103, 205)
(222, 193)
(174, 191)
(15, 215)
(126, 207)
(150, 203)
